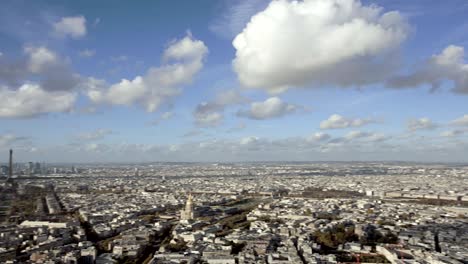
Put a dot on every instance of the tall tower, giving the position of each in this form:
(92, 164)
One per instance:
(187, 212)
(189, 205)
(10, 172)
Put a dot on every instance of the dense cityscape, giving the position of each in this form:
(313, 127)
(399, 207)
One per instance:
(233, 132)
(234, 213)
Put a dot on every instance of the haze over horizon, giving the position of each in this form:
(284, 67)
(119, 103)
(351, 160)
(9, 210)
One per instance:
(312, 80)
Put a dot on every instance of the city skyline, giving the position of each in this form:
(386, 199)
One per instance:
(232, 81)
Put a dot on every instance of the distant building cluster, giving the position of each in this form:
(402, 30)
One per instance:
(236, 213)
(34, 168)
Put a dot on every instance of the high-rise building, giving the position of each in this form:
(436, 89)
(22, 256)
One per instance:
(37, 168)
(187, 213)
(4, 170)
(10, 170)
(31, 167)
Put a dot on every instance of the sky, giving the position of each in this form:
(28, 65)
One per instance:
(240, 80)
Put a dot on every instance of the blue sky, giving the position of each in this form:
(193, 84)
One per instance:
(86, 81)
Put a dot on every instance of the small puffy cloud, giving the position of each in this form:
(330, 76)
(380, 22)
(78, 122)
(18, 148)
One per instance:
(336, 121)
(248, 140)
(462, 121)
(272, 107)
(366, 136)
(212, 113)
(184, 59)
(446, 66)
(97, 20)
(74, 27)
(253, 143)
(96, 147)
(319, 137)
(420, 124)
(167, 115)
(164, 116)
(31, 100)
(208, 114)
(40, 59)
(87, 53)
(453, 133)
(356, 134)
(95, 135)
(377, 137)
(210, 119)
(308, 48)
(185, 49)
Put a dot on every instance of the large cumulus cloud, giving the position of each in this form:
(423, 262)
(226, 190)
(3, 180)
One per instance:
(52, 86)
(449, 65)
(31, 100)
(339, 42)
(182, 60)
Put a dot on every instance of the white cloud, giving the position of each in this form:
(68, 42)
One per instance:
(449, 65)
(356, 134)
(336, 121)
(453, 133)
(248, 140)
(208, 114)
(319, 137)
(210, 119)
(294, 43)
(462, 121)
(95, 135)
(164, 116)
(87, 53)
(52, 71)
(74, 27)
(96, 22)
(184, 59)
(212, 113)
(126, 92)
(40, 59)
(167, 115)
(377, 137)
(374, 147)
(421, 124)
(367, 136)
(96, 147)
(31, 100)
(185, 49)
(42, 65)
(272, 107)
